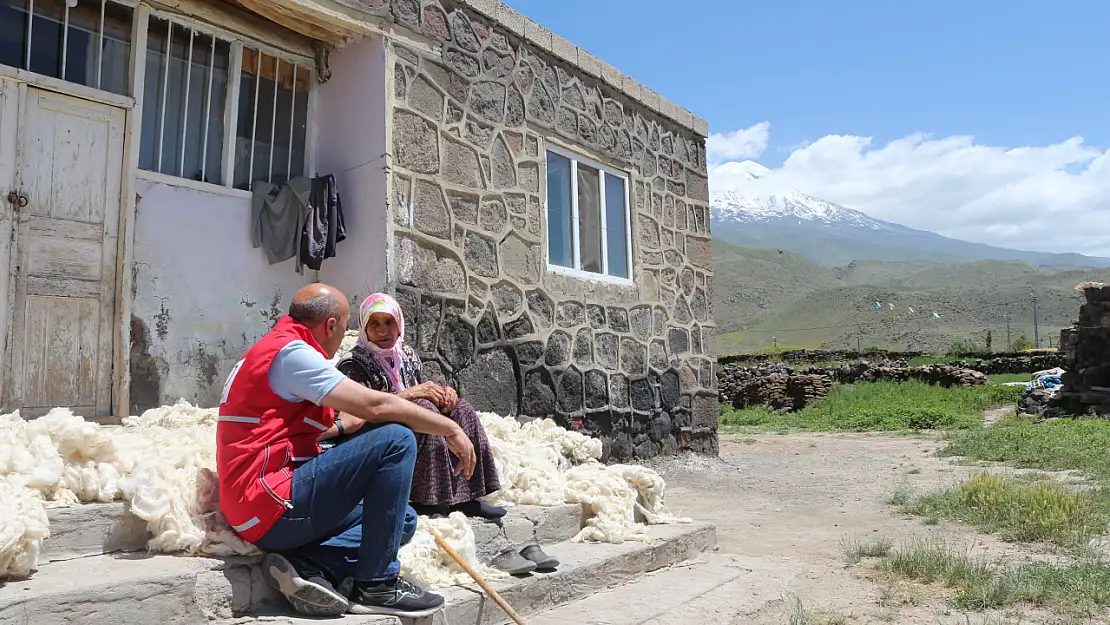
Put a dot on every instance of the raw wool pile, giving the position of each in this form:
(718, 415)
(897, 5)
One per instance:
(540, 463)
(163, 464)
(423, 561)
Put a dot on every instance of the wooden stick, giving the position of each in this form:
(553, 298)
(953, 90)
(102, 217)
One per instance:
(477, 578)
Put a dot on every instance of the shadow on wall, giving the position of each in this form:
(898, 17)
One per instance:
(147, 372)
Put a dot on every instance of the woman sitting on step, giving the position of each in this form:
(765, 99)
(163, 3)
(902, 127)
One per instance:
(381, 361)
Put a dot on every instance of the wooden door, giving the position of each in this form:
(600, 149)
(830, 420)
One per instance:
(69, 166)
(9, 126)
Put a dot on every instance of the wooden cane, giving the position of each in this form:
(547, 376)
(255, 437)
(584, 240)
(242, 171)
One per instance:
(477, 578)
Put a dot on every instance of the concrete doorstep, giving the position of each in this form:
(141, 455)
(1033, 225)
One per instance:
(139, 588)
(100, 528)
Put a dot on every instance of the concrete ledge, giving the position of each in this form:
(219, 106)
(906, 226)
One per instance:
(92, 529)
(95, 529)
(125, 590)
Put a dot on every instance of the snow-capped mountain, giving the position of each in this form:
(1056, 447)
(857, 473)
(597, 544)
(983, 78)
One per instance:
(752, 206)
(829, 234)
(737, 207)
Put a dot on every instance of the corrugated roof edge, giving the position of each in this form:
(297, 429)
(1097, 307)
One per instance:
(553, 44)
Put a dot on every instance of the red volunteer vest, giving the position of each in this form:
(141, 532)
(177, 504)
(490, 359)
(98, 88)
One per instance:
(261, 438)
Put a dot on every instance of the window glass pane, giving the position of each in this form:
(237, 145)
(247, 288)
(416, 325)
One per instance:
(289, 135)
(559, 211)
(82, 49)
(183, 103)
(13, 32)
(257, 118)
(616, 240)
(589, 218)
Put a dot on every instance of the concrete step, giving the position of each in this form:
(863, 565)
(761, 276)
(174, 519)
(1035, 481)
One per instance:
(140, 589)
(656, 598)
(95, 529)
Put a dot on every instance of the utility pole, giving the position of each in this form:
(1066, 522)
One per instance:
(1036, 326)
(1008, 343)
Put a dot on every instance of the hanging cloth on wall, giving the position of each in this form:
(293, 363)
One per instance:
(302, 219)
(323, 226)
(278, 214)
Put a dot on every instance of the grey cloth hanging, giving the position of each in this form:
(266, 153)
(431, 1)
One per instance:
(278, 214)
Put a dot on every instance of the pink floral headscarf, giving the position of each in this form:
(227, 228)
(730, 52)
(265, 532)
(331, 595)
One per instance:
(392, 360)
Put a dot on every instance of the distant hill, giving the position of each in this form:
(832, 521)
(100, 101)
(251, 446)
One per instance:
(831, 235)
(764, 295)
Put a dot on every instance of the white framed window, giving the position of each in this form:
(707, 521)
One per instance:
(88, 43)
(589, 231)
(222, 112)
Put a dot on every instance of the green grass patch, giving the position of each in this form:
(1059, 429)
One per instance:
(1062, 444)
(1080, 587)
(880, 407)
(856, 549)
(1020, 511)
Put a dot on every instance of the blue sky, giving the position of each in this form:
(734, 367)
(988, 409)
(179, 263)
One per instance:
(1008, 72)
(961, 82)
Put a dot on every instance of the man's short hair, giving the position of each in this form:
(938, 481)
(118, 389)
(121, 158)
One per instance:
(317, 310)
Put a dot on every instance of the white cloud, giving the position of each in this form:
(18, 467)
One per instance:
(1051, 198)
(738, 144)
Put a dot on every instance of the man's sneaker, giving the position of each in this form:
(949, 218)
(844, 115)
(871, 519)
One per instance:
(308, 590)
(394, 598)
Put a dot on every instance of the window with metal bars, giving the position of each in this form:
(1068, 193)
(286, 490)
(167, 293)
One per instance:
(184, 97)
(88, 43)
(272, 120)
(196, 90)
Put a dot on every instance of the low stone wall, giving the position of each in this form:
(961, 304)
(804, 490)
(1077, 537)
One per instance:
(983, 363)
(1086, 349)
(782, 387)
(810, 356)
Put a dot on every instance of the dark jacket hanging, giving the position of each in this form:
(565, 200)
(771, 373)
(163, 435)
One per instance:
(323, 227)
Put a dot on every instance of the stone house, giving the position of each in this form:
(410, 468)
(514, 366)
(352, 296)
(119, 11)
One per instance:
(542, 217)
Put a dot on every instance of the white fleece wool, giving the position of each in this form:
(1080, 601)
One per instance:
(424, 562)
(163, 464)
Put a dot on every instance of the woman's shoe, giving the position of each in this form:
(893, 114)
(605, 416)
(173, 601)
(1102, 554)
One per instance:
(544, 563)
(513, 563)
(480, 509)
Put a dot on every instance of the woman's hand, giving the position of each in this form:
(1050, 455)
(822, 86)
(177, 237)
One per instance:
(428, 390)
(463, 449)
(450, 400)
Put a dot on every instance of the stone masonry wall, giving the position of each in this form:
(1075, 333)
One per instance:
(633, 365)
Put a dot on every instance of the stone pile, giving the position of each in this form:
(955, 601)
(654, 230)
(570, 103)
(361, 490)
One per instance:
(777, 387)
(782, 387)
(1086, 348)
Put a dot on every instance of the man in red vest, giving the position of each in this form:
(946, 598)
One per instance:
(327, 520)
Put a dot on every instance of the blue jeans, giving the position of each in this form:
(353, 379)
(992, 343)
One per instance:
(350, 510)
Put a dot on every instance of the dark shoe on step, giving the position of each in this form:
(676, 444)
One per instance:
(480, 509)
(544, 563)
(431, 511)
(307, 590)
(513, 563)
(394, 598)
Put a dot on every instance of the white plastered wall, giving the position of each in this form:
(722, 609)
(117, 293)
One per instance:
(202, 295)
(352, 145)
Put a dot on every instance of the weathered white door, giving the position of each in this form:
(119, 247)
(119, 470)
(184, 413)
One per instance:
(9, 125)
(69, 164)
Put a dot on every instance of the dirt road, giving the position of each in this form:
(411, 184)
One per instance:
(783, 506)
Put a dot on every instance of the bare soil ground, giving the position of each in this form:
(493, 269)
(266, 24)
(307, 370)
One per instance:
(784, 505)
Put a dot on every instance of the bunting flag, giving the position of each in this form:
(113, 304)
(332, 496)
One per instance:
(878, 305)
(936, 315)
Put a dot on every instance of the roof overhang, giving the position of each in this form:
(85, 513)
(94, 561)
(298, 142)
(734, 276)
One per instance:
(331, 21)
